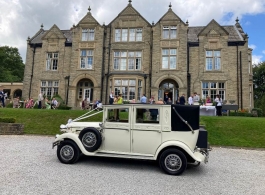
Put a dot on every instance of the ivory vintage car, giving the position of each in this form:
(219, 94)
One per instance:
(169, 134)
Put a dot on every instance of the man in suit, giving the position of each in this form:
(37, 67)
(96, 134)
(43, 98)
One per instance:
(182, 100)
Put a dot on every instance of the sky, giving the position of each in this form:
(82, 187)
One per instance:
(22, 18)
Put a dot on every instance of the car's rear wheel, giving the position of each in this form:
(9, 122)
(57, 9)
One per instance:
(173, 162)
(68, 152)
(91, 139)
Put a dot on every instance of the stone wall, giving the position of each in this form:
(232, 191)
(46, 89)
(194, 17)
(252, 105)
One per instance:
(11, 129)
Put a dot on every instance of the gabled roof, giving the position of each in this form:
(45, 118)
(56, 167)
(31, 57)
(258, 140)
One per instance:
(129, 10)
(169, 12)
(88, 18)
(54, 31)
(38, 37)
(208, 28)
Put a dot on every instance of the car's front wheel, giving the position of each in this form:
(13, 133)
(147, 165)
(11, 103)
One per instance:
(68, 152)
(173, 162)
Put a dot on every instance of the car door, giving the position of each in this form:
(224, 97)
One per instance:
(116, 133)
(146, 130)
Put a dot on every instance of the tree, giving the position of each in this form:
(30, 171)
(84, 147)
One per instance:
(259, 85)
(11, 65)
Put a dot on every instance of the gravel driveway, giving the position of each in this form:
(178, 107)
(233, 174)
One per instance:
(28, 165)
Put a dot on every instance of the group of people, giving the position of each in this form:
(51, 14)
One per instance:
(194, 99)
(48, 104)
(116, 99)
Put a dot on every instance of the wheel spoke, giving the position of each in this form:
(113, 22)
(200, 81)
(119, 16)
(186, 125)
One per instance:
(89, 139)
(67, 152)
(173, 162)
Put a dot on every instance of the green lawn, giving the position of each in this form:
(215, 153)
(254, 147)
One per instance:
(223, 131)
(236, 131)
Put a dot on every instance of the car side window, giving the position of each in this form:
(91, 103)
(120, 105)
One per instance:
(144, 115)
(120, 115)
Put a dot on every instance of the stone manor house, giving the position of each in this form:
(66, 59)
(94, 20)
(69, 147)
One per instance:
(133, 57)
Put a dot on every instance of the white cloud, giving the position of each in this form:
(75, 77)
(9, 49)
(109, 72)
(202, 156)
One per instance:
(256, 59)
(252, 46)
(20, 19)
(263, 51)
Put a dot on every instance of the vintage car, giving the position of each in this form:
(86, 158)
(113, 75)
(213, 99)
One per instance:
(169, 134)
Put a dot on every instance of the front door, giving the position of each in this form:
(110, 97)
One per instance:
(117, 131)
(87, 94)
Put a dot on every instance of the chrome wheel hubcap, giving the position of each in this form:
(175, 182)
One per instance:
(89, 139)
(67, 152)
(173, 162)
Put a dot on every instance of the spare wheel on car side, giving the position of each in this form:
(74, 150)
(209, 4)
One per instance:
(91, 139)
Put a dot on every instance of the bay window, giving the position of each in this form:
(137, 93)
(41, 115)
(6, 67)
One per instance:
(212, 89)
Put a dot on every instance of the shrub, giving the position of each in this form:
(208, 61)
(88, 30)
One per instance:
(239, 113)
(7, 120)
(258, 110)
(64, 107)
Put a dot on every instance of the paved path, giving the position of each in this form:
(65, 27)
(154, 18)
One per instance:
(28, 165)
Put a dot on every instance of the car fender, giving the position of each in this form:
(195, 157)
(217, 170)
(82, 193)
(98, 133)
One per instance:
(74, 138)
(179, 144)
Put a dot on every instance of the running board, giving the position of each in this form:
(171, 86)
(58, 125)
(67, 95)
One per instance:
(146, 157)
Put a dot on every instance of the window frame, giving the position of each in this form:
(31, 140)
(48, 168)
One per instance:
(49, 88)
(169, 29)
(125, 60)
(169, 56)
(88, 34)
(86, 58)
(211, 60)
(213, 88)
(52, 59)
(128, 35)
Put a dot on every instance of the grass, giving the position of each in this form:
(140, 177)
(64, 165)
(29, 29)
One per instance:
(222, 131)
(236, 131)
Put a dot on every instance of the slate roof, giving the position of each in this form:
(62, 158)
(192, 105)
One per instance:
(234, 34)
(38, 37)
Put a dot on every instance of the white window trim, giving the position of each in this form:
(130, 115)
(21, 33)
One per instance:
(169, 55)
(127, 58)
(169, 28)
(137, 32)
(213, 60)
(85, 36)
(50, 61)
(216, 88)
(87, 67)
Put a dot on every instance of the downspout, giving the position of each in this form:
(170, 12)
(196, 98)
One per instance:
(107, 82)
(67, 92)
(188, 70)
(151, 62)
(103, 64)
(32, 69)
(241, 83)
(237, 74)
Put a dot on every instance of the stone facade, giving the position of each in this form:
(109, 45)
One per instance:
(133, 57)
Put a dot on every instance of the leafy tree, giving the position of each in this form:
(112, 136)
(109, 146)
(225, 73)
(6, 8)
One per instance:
(11, 65)
(259, 85)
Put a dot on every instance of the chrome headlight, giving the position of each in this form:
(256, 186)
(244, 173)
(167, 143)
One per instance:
(63, 127)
